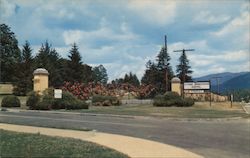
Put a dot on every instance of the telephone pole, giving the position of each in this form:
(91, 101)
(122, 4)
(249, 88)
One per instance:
(166, 73)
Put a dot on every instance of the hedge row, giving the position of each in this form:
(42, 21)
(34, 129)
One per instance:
(47, 101)
(99, 100)
(172, 99)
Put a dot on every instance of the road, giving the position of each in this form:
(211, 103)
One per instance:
(210, 138)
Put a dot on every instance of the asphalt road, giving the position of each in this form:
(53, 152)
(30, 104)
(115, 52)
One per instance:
(210, 138)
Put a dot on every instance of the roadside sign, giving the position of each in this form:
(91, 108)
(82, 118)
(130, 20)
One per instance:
(58, 93)
(205, 85)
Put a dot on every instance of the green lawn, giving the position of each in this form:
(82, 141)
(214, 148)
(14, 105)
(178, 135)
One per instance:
(15, 144)
(196, 111)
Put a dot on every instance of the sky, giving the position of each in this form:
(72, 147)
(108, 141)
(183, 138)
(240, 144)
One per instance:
(123, 35)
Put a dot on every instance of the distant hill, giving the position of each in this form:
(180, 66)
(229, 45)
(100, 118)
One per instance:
(226, 76)
(239, 82)
(228, 81)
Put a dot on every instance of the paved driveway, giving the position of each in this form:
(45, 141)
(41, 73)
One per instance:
(210, 138)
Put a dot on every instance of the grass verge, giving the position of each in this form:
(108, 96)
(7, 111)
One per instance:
(15, 144)
(170, 112)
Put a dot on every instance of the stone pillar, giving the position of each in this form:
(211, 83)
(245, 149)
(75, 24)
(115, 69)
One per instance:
(40, 80)
(176, 85)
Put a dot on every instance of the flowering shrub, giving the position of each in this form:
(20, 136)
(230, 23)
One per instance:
(85, 91)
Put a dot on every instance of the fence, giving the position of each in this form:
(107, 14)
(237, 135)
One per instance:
(137, 101)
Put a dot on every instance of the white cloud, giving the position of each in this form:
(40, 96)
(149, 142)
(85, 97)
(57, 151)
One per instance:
(160, 12)
(103, 33)
(238, 25)
(206, 17)
(6, 9)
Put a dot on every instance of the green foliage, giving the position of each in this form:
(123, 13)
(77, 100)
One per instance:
(74, 65)
(25, 74)
(128, 79)
(9, 55)
(33, 100)
(183, 70)
(100, 74)
(100, 100)
(10, 101)
(49, 59)
(172, 99)
(239, 95)
(155, 74)
(47, 101)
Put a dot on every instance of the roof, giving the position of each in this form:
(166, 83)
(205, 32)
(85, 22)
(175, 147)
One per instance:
(175, 80)
(40, 71)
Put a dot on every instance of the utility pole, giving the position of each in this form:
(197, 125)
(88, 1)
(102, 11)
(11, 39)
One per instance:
(166, 73)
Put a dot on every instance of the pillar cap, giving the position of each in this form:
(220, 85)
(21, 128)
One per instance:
(176, 80)
(40, 71)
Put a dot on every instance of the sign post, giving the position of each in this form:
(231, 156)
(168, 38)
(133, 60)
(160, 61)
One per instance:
(58, 93)
(199, 87)
(232, 99)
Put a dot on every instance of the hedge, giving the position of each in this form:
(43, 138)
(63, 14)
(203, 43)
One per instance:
(99, 100)
(172, 99)
(48, 102)
(10, 101)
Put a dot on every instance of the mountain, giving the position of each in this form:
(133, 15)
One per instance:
(239, 82)
(224, 77)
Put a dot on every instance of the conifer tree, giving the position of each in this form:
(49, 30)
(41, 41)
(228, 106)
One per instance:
(183, 70)
(25, 68)
(75, 68)
(164, 70)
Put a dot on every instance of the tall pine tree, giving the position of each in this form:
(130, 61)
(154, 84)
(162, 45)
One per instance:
(164, 70)
(183, 70)
(25, 68)
(48, 58)
(74, 67)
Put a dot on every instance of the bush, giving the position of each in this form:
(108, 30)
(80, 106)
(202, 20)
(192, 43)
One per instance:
(33, 99)
(99, 100)
(47, 101)
(10, 101)
(172, 99)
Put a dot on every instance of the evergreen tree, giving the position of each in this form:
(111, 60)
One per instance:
(87, 73)
(75, 70)
(48, 58)
(25, 74)
(150, 75)
(164, 70)
(100, 74)
(9, 55)
(131, 79)
(183, 70)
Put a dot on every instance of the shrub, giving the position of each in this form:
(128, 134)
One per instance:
(99, 100)
(47, 101)
(172, 99)
(77, 104)
(33, 99)
(10, 101)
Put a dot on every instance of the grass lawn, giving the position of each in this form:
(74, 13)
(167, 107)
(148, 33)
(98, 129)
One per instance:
(15, 144)
(199, 110)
